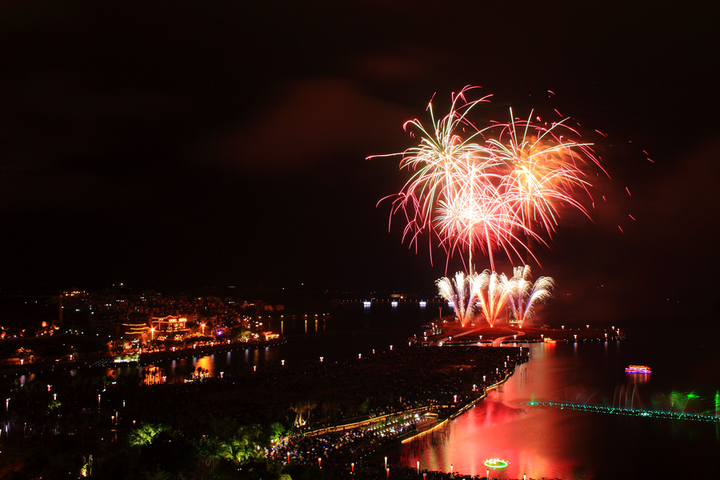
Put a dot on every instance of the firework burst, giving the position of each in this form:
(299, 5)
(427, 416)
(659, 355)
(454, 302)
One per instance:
(543, 169)
(492, 291)
(449, 158)
(525, 294)
(493, 188)
(479, 216)
(460, 293)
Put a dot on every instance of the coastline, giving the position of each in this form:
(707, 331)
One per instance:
(463, 409)
(361, 442)
(143, 359)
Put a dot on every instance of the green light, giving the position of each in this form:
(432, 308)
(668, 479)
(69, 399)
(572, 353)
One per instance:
(496, 463)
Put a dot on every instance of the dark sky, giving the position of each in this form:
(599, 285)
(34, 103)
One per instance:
(174, 145)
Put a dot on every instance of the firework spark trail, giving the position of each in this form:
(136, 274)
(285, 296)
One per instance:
(492, 291)
(525, 295)
(479, 215)
(459, 292)
(543, 169)
(439, 163)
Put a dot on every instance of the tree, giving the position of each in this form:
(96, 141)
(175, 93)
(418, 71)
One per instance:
(169, 451)
(302, 412)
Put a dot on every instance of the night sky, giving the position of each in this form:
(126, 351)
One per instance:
(180, 145)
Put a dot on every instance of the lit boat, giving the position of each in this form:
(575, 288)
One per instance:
(638, 369)
(549, 340)
(496, 463)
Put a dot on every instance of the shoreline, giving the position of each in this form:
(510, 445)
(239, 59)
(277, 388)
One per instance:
(144, 359)
(455, 333)
(452, 333)
(462, 410)
(452, 337)
(363, 441)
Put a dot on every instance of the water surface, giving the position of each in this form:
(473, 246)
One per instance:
(561, 443)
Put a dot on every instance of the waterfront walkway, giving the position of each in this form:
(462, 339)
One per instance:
(353, 450)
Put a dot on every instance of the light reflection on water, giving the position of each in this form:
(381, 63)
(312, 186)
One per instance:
(181, 369)
(307, 339)
(556, 443)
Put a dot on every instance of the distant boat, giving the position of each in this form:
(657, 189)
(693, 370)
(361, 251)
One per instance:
(549, 340)
(637, 369)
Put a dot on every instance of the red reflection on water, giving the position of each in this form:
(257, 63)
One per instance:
(638, 377)
(491, 430)
(536, 442)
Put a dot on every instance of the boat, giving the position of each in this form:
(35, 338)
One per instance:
(496, 463)
(637, 369)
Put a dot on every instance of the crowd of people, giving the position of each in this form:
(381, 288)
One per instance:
(409, 380)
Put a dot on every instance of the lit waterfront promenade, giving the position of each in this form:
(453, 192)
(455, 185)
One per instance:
(354, 450)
